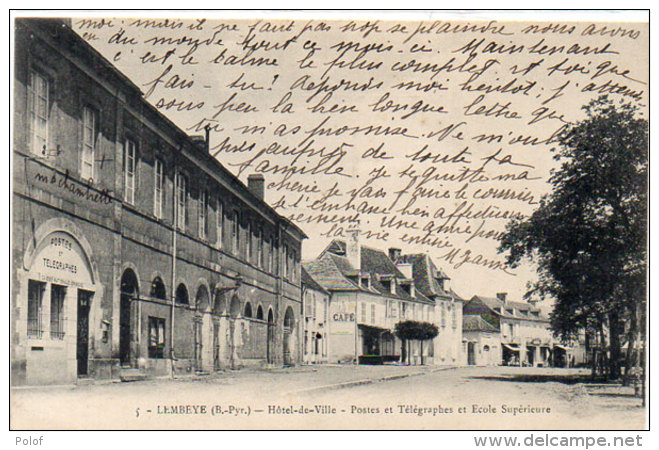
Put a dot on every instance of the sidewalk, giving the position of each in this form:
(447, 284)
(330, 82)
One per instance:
(311, 378)
(248, 382)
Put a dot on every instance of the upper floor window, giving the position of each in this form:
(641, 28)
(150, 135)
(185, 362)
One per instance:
(287, 272)
(235, 233)
(158, 187)
(88, 143)
(130, 163)
(271, 254)
(203, 214)
(181, 199)
(372, 313)
(260, 251)
(37, 106)
(219, 223)
(249, 242)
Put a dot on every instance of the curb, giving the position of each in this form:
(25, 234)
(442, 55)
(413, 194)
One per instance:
(365, 381)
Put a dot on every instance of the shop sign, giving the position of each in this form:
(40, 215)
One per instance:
(60, 259)
(343, 317)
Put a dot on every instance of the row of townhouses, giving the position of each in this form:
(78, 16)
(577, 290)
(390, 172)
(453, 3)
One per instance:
(136, 253)
(354, 295)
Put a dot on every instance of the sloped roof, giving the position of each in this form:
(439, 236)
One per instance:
(310, 282)
(425, 274)
(512, 310)
(327, 274)
(473, 322)
(374, 262)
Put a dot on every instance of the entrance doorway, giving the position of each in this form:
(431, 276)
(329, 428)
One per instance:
(270, 341)
(216, 344)
(82, 344)
(129, 292)
(471, 353)
(530, 356)
(289, 326)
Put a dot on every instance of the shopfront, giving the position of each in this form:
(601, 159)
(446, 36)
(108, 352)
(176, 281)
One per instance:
(59, 297)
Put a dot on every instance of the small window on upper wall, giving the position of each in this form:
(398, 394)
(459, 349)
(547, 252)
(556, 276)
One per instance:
(219, 217)
(88, 155)
(158, 187)
(130, 164)
(181, 200)
(203, 214)
(38, 107)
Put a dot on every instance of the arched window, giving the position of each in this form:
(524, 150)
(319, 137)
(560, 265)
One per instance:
(182, 295)
(201, 302)
(289, 319)
(158, 289)
(259, 313)
(248, 310)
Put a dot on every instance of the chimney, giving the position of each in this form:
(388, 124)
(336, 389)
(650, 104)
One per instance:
(199, 141)
(502, 296)
(256, 184)
(394, 254)
(405, 269)
(353, 250)
(203, 142)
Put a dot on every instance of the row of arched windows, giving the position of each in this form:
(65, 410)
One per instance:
(248, 311)
(158, 291)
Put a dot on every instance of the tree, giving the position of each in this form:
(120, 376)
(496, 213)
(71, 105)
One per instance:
(410, 330)
(588, 236)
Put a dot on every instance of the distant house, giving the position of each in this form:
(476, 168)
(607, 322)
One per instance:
(524, 334)
(316, 303)
(369, 295)
(433, 284)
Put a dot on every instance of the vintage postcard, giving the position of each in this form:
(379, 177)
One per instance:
(329, 220)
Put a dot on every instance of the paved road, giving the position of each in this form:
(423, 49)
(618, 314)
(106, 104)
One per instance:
(457, 398)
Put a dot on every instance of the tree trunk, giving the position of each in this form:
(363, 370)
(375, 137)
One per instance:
(614, 345)
(631, 355)
(403, 351)
(421, 344)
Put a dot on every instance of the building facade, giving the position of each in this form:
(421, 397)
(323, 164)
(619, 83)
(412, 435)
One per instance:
(369, 294)
(133, 248)
(521, 329)
(316, 301)
(447, 315)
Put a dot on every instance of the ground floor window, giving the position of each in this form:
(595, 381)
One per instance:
(156, 337)
(57, 296)
(34, 309)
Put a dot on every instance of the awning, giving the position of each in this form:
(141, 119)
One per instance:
(562, 347)
(373, 328)
(511, 347)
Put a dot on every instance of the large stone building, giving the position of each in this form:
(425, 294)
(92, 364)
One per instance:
(133, 248)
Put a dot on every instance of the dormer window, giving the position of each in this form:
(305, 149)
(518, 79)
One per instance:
(366, 281)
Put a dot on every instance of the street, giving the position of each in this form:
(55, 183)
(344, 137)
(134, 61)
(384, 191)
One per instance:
(337, 397)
